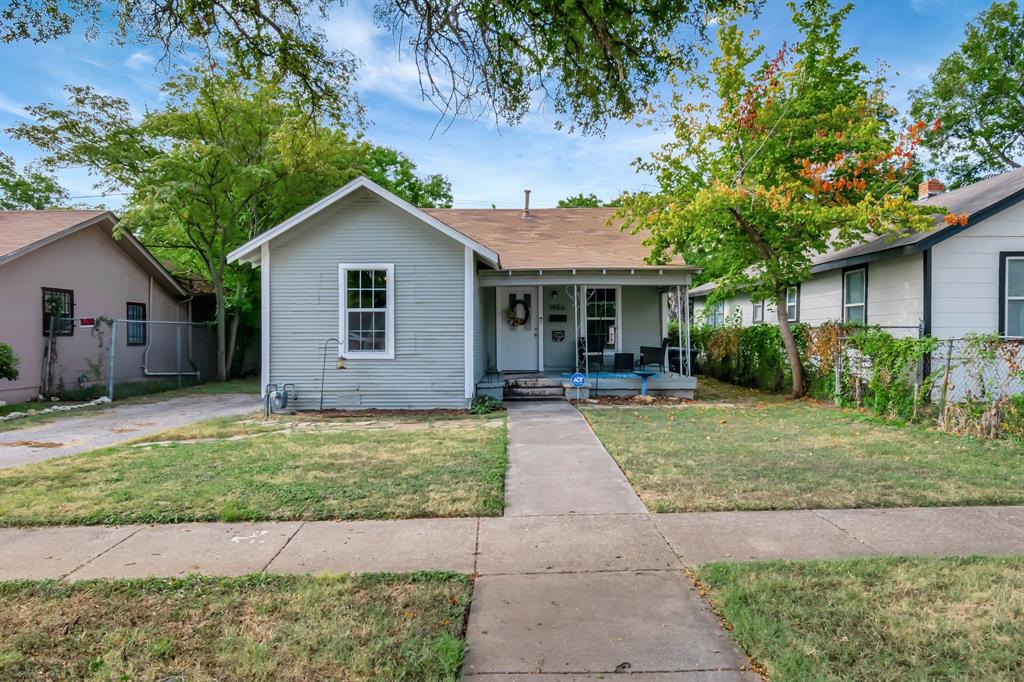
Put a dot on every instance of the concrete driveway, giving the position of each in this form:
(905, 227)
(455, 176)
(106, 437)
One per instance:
(91, 430)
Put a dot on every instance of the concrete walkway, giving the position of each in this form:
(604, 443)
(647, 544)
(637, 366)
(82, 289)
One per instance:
(66, 435)
(557, 465)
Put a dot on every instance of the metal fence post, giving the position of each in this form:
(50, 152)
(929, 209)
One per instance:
(945, 382)
(110, 359)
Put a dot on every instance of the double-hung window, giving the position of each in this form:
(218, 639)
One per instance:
(715, 314)
(58, 308)
(136, 324)
(792, 304)
(367, 317)
(1012, 270)
(855, 296)
(758, 312)
(603, 318)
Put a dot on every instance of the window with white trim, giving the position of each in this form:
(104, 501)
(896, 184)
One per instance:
(1014, 296)
(367, 310)
(603, 317)
(855, 296)
(792, 307)
(758, 312)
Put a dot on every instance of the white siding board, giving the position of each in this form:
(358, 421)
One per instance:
(428, 368)
(965, 274)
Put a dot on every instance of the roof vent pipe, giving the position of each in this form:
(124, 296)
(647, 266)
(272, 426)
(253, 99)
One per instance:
(526, 203)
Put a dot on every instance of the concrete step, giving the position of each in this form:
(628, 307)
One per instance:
(533, 391)
(533, 382)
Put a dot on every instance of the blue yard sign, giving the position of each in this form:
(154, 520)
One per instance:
(578, 379)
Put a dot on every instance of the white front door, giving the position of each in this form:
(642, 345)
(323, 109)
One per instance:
(518, 336)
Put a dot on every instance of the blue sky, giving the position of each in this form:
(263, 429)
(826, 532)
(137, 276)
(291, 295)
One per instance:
(487, 165)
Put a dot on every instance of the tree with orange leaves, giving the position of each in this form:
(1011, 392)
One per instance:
(784, 158)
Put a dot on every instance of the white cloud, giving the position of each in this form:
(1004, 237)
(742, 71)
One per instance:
(138, 61)
(10, 107)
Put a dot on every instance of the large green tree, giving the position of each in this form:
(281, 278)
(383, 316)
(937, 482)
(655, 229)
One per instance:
(29, 188)
(223, 160)
(593, 59)
(785, 157)
(586, 201)
(978, 94)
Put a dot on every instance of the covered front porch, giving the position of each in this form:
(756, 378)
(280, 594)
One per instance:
(536, 329)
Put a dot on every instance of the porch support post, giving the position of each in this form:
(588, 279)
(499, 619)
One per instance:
(689, 353)
(679, 325)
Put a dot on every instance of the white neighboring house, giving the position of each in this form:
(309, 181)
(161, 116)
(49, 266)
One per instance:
(947, 281)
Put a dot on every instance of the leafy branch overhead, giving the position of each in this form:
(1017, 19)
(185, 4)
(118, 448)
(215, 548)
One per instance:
(591, 59)
(786, 157)
(976, 93)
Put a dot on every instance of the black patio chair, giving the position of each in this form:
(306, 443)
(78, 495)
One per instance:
(624, 362)
(654, 355)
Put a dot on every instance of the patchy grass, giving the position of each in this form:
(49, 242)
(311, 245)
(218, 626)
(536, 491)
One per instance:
(286, 468)
(876, 619)
(747, 450)
(259, 627)
(134, 393)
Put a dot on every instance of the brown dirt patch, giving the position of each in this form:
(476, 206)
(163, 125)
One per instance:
(31, 444)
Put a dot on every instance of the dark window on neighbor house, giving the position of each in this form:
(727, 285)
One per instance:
(792, 304)
(1013, 295)
(855, 296)
(136, 330)
(58, 305)
(758, 312)
(714, 314)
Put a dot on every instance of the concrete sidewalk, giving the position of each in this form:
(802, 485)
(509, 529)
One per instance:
(97, 429)
(532, 545)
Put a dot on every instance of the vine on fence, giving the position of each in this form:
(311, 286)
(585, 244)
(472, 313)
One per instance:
(897, 386)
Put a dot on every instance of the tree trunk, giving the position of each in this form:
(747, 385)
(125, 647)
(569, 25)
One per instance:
(218, 292)
(789, 341)
(232, 339)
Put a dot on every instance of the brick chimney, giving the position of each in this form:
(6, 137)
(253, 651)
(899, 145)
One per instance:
(526, 203)
(930, 188)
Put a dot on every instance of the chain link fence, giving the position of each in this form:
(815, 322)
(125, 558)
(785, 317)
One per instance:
(971, 385)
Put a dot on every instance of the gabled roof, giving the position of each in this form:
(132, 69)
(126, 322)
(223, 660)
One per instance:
(545, 239)
(554, 238)
(978, 201)
(22, 232)
(249, 252)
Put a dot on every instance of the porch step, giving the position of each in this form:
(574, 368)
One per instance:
(532, 382)
(533, 391)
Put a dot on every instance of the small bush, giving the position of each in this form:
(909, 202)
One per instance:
(484, 404)
(8, 363)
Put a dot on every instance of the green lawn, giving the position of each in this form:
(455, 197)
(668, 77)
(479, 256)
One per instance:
(876, 619)
(289, 468)
(741, 449)
(150, 391)
(259, 627)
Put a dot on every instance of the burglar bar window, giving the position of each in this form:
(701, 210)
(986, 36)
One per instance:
(58, 304)
(136, 331)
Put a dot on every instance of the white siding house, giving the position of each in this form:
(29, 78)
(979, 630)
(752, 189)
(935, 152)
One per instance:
(946, 282)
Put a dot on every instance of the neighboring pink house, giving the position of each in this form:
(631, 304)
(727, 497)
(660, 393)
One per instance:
(69, 262)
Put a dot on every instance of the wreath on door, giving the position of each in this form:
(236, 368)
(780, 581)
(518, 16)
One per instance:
(518, 313)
